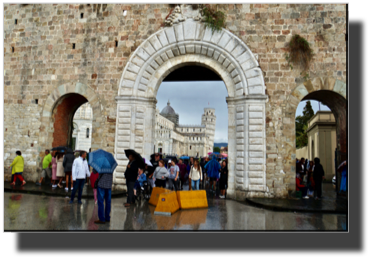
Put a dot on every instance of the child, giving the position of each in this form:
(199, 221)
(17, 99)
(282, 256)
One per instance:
(94, 175)
(140, 180)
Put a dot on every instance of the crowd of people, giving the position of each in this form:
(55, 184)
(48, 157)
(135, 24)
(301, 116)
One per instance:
(310, 175)
(174, 174)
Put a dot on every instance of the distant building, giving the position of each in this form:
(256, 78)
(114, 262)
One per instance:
(321, 134)
(224, 150)
(81, 137)
(171, 138)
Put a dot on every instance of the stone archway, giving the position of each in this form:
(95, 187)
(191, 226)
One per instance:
(78, 94)
(191, 43)
(331, 92)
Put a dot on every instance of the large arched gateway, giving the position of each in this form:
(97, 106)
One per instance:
(191, 43)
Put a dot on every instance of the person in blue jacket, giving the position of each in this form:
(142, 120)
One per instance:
(213, 168)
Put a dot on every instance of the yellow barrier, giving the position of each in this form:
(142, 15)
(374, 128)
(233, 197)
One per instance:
(155, 194)
(167, 204)
(192, 199)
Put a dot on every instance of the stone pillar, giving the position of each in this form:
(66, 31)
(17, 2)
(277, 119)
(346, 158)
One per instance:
(246, 133)
(135, 126)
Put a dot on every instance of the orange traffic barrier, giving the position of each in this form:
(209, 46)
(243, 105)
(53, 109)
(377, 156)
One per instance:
(192, 199)
(167, 204)
(155, 194)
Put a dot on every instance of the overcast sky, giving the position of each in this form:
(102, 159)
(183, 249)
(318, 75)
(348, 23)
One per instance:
(314, 105)
(189, 99)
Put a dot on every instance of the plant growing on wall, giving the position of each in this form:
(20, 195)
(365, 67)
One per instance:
(300, 54)
(213, 19)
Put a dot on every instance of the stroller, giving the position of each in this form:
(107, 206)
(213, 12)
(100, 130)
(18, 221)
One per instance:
(145, 192)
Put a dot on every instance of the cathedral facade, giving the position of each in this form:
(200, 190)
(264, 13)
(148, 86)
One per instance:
(172, 138)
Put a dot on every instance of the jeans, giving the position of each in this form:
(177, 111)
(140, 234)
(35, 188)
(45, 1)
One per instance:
(131, 197)
(104, 194)
(173, 183)
(304, 191)
(79, 183)
(195, 185)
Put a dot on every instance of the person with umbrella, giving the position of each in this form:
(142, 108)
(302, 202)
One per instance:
(79, 172)
(131, 173)
(104, 163)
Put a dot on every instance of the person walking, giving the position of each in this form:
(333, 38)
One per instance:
(46, 164)
(195, 175)
(223, 180)
(79, 172)
(318, 176)
(160, 174)
(53, 169)
(182, 173)
(68, 160)
(104, 192)
(94, 175)
(18, 168)
(130, 175)
(173, 170)
(60, 169)
(213, 168)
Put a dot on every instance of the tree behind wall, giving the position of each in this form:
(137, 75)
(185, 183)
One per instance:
(301, 125)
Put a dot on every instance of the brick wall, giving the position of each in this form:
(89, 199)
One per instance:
(44, 59)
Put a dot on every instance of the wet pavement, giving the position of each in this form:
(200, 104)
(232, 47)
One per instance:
(329, 203)
(46, 189)
(33, 212)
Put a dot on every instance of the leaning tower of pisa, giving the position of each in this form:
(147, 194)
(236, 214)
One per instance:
(209, 120)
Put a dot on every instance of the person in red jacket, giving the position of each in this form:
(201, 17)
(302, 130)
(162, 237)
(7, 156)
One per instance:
(93, 177)
(301, 187)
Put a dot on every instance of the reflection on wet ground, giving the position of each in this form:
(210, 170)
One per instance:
(32, 212)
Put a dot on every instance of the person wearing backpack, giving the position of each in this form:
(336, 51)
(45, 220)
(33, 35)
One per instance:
(195, 175)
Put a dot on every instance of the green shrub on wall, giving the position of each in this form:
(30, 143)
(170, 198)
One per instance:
(213, 19)
(300, 54)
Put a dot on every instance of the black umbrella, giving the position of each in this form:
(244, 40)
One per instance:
(138, 158)
(59, 148)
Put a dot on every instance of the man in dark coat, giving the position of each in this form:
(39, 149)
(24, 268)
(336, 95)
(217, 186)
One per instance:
(130, 175)
(318, 176)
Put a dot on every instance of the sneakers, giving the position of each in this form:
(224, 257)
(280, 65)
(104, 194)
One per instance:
(54, 186)
(306, 197)
(96, 202)
(66, 189)
(142, 188)
(71, 188)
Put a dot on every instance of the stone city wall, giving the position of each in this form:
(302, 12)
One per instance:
(40, 56)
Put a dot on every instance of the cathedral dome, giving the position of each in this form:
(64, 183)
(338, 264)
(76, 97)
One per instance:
(168, 110)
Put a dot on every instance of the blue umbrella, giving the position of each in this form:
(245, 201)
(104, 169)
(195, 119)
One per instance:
(102, 161)
(185, 157)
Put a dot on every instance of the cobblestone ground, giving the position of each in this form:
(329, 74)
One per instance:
(33, 212)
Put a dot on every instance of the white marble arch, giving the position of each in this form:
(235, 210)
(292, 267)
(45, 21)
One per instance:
(190, 43)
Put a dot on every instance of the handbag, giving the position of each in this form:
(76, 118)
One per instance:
(97, 181)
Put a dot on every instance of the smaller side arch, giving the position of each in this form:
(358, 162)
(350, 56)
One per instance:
(59, 94)
(331, 92)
